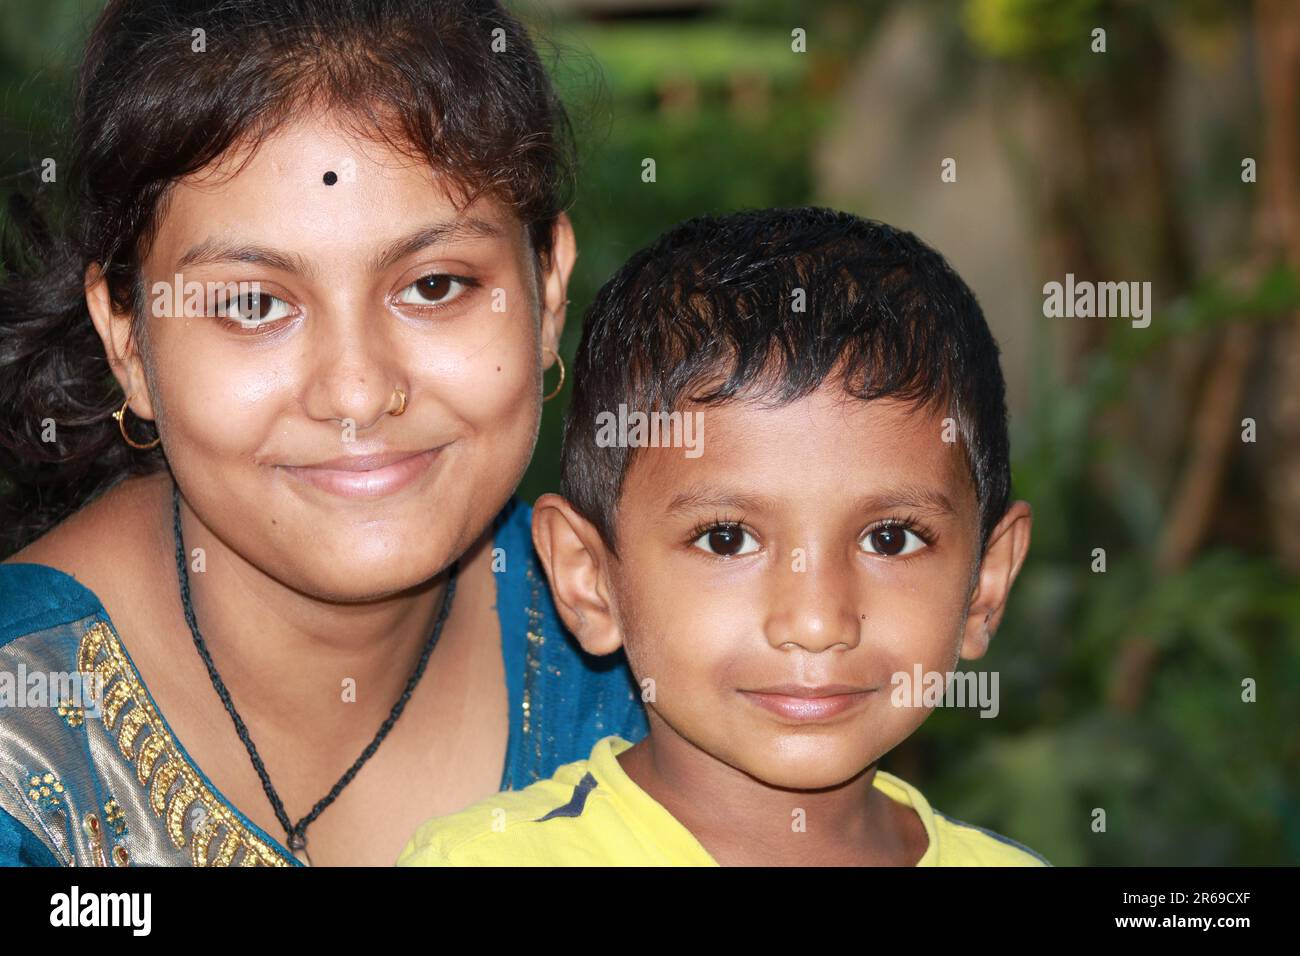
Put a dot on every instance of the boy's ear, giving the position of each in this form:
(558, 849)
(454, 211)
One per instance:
(1007, 547)
(575, 560)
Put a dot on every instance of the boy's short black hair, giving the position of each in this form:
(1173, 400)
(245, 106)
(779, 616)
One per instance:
(710, 312)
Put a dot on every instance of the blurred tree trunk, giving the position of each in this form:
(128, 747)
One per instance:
(1277, 37)
(1215, 428)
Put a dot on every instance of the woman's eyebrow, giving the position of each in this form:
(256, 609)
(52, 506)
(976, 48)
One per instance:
(214, 250)
(217, 250)
(436, 233)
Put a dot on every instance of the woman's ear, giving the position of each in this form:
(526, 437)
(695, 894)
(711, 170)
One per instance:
(575, 559)
(555, 282)
(120, 344)
(1003, 557)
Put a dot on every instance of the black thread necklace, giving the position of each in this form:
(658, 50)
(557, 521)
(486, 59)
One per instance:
(297, 832)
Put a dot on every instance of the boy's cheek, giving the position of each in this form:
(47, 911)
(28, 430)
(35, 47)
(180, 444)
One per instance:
(914, 625)
(681, 663)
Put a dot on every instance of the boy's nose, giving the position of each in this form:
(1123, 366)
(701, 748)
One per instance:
(815, 611)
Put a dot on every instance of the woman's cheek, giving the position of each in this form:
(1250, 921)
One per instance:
(219, 404)
(505, 388)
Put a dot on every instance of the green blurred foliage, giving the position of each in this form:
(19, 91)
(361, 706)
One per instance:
(726, 114)
(1192, 775)
(1055, 37)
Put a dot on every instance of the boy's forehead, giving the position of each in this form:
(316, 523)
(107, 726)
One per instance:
(824, 446)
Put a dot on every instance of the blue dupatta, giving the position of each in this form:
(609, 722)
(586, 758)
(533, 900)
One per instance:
(118, 788)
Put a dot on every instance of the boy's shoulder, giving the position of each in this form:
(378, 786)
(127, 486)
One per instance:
(589, 813)
(964, 844)
(954, 842)
(494, 831)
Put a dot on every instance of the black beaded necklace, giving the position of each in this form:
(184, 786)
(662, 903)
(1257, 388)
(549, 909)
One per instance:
(297, 832)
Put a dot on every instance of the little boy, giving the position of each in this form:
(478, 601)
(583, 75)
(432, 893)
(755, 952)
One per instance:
(786, 495)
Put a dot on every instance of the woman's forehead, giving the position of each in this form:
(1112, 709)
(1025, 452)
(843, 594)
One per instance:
(319, 189)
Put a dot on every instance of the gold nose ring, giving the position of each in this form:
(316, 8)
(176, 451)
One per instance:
(401, 397)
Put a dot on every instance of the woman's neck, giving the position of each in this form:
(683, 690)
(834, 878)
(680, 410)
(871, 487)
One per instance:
(288, 657)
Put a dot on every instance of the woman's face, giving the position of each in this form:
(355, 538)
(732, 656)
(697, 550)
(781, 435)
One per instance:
(371, 284)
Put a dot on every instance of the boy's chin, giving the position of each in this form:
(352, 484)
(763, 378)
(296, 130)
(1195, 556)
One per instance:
(818, 768)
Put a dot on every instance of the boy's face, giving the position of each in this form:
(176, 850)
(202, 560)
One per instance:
(772, 586)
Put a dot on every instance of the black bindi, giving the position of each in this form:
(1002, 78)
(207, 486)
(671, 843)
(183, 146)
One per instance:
(331, 178)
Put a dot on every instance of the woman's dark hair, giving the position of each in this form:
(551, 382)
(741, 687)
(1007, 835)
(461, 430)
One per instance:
(768, 304)
(168, 86)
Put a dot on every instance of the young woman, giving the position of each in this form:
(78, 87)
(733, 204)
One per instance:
(263, 406)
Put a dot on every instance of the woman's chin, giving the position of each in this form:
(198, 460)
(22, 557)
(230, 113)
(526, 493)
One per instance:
(362, 569)
(362, 583)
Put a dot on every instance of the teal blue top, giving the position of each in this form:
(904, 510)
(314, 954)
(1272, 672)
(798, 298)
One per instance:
(106, 782)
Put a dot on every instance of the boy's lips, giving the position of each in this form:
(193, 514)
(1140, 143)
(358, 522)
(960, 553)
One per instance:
(804, 703)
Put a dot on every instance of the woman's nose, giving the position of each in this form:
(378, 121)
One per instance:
(350, 372)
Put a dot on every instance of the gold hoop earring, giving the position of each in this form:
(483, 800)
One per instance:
(401, 396)
(120, 415)
(555, 391)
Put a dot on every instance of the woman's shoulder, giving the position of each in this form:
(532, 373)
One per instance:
(82, 565)
(36, 597)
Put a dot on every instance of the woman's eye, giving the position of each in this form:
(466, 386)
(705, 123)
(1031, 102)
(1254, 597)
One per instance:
(727, 541)
(436, 289)
(891, 541)
(252, 309)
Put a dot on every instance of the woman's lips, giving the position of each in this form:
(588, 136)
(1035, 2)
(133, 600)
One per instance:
(807, 703)
(367, 476)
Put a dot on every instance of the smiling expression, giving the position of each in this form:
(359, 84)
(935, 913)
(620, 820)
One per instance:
(276, 410)
(772, 586)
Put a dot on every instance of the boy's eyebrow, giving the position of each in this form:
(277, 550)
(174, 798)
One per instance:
(216, 250)
(702, 497)
(916, 497)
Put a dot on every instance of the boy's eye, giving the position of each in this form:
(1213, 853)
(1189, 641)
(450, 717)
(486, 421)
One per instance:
(891, 541)
(251, 309)
(727, 541)
(434, 289)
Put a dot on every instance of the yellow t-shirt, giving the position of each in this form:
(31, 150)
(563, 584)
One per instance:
(591, 813)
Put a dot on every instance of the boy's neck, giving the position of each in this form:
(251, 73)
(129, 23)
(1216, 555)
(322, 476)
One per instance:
(742, 821)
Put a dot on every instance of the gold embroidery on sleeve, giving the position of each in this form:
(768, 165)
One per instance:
(177, 794)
